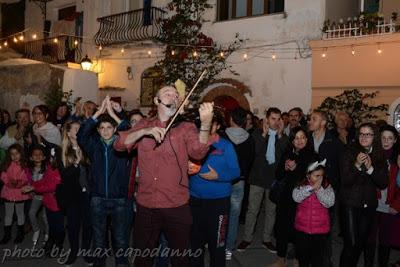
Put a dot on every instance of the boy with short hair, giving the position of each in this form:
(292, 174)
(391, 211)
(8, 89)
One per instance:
(109, 181)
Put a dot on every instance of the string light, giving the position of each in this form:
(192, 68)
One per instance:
(21, 38)
(34, 36)
(15, 40)
(379, 49)
(273, 56)
(324, 54)
(5, 43)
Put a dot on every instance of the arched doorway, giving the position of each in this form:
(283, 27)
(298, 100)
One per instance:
(227, 104)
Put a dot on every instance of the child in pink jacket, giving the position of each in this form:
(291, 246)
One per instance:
(46, 187)
(14, 177)
(312, 223)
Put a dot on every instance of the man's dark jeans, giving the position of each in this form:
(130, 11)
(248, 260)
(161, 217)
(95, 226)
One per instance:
(121, 213)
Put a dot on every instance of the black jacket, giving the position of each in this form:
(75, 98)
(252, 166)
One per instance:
(332, 150)
(358, 188)
(245, 154)
(263, 174)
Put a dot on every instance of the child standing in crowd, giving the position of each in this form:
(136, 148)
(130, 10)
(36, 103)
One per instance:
(210, 192)
(46, 187)
(37, 166)
(14, 177)
(312, 223)
(110, 179)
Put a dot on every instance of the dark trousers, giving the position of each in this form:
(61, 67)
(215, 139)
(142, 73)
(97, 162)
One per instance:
(175, 223)
(120, 211)
(210, 225)
(358, 227)
(310, 249)
(56, 229)
(78, 221)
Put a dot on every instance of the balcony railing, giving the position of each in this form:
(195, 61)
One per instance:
(57, 49)
(131, 26)
(359, 29)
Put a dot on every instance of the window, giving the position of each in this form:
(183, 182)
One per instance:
(371, 6)
(66, 13)
(231, 9)
(152, 79)
(396, 118)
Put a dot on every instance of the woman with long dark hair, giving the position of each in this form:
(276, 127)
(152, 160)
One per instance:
(364, 171)
(387, 227)
(290, 171)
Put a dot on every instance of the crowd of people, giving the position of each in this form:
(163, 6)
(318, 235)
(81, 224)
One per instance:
(109, 179)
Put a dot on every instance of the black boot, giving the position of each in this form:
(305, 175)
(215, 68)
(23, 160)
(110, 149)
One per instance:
(7, 235)
(20, 234)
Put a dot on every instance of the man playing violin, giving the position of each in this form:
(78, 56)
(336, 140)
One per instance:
(163, 194)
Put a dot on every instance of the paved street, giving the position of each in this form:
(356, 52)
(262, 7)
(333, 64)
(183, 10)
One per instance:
(255, 256)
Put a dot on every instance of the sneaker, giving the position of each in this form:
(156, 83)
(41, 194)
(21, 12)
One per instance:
(228, 254)
(242, 246)
(35, 237)
(269, 246)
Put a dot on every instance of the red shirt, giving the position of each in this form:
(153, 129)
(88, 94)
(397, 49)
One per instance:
(163, 181)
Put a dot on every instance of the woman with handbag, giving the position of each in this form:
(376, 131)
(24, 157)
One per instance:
(291, 169)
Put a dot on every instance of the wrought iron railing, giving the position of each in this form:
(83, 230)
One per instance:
(57, 49)
(131, 26)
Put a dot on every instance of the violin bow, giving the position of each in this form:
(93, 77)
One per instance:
(184, 101)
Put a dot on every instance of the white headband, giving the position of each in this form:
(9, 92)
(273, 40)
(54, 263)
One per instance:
(314, 165)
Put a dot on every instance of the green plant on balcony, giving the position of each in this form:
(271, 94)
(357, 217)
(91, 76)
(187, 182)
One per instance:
(358, 105)
(189, 51)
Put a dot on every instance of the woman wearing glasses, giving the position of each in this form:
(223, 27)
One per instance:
(364, 172)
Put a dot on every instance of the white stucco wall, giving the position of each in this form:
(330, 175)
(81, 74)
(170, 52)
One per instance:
(82, 83)
(284, 83)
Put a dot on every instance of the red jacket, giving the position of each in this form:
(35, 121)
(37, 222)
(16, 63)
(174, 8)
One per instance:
(393, 191)
(47, 188)
(312, 217)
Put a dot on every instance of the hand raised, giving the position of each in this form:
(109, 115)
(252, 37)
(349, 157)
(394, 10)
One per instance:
(206, 112)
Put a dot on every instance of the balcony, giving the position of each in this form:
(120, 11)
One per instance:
(58, 49)
(128, 27)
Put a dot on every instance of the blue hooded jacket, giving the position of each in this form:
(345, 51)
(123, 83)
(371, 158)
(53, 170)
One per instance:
(222, 158)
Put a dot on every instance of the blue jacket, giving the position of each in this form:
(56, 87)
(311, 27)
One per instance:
(109, 168)
(222, 158)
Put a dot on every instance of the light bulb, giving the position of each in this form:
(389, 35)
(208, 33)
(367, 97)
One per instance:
(34, 36)
(245, 56)
(122, 50)
(5, 43)
(173, 52)
(100, 47)
(76, 42)
(55, 40)
(195, 54)
(149, 52)
(323, 55)
(21, 38)
(15, 40)
(221, 54)
(273, 57)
